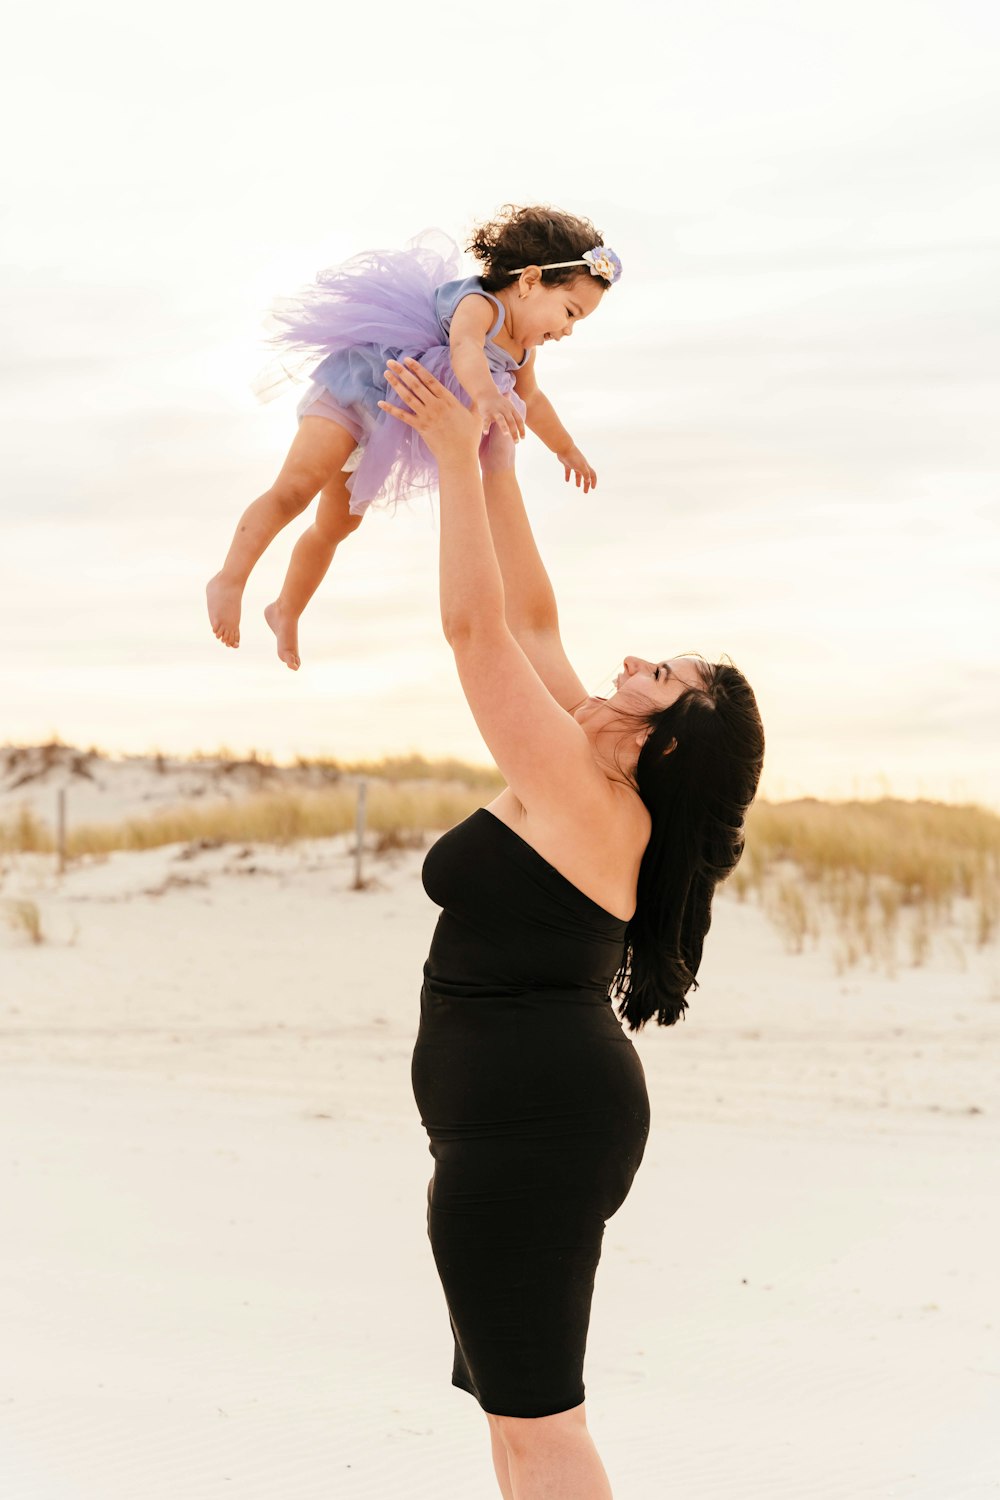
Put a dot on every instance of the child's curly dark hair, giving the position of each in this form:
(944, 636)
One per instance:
(531, 237)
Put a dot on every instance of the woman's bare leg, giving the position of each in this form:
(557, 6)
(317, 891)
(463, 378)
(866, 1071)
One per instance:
(319, 449)
(500, 1463)
(311, 557)
(553, 1458)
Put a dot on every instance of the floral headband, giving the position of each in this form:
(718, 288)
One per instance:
(601, 260)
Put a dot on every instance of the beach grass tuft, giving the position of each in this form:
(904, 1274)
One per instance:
(883, 875)
(24, 833)
(24, 917)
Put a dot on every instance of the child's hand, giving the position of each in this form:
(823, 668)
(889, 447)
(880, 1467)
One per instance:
(499, 409)
(573, 462)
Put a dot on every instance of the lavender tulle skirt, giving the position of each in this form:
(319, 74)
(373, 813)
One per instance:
(376, 306)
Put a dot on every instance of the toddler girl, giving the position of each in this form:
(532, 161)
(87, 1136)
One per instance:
(543, 271)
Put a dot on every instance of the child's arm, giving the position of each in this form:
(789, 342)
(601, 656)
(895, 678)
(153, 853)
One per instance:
(472, 320)
(542, 419)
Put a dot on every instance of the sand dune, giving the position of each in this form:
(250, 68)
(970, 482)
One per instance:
(103, 788)
(215, 1274)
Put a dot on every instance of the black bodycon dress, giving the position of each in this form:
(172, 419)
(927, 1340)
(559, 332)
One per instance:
(535, 1102)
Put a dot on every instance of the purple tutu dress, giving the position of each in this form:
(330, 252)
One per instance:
(384, 304)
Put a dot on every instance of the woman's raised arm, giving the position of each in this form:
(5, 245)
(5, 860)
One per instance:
(529, 600)
(538, 745)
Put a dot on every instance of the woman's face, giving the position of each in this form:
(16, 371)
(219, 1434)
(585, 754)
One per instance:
(642, 683)
(642, 687)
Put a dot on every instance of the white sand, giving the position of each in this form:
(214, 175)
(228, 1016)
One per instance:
(214, 1273)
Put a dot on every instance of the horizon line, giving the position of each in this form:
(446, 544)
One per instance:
(256, 756)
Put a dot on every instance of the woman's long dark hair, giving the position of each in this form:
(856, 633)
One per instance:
(698, 795)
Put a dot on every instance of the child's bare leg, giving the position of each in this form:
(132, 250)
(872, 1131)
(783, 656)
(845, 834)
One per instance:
(312, 556)
(320, 448)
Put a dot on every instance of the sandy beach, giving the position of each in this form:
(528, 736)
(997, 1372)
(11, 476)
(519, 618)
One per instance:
(215, 1273)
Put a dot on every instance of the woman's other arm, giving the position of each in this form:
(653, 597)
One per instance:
(529, 600)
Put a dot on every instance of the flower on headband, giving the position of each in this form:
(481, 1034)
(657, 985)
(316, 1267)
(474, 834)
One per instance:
(603, 262)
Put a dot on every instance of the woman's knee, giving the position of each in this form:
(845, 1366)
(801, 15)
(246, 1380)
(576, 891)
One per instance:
(521, 1433)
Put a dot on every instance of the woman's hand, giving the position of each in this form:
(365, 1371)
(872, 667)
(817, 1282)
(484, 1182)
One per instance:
(500, 409)
(573, 462)
(447, 427)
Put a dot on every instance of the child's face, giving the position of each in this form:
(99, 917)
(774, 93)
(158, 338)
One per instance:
(543, 314)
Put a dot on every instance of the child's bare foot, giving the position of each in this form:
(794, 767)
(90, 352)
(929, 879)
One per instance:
(224, 600)
(286, 629)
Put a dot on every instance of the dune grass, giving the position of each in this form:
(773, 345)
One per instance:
(267, 818)
(393, 768)
(879, 879)
(881, 876)
(25, 834)
(24, 917)
(414, 767)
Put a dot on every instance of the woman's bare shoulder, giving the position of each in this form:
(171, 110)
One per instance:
(601, 856)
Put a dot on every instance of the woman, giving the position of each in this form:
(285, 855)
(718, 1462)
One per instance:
(595, 866)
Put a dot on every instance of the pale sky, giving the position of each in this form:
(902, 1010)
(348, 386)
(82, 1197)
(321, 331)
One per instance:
(790, 397)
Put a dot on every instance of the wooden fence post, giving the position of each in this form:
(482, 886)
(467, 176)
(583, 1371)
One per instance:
(61, 828)
(359, 828)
